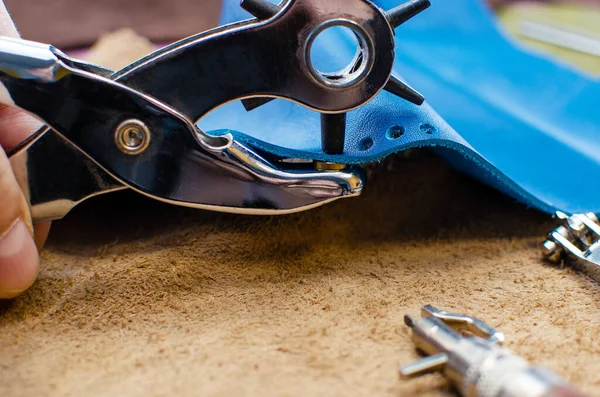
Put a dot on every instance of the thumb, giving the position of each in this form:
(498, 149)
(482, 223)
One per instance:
(19, 260)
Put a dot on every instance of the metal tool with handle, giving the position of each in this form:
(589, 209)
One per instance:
(136, 128)
(477, 364)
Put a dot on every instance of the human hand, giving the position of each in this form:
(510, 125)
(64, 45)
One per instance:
(19, 241)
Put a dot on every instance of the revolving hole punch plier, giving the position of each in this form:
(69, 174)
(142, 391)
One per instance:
(136, 128)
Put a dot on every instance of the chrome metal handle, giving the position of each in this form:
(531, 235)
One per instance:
(124, 138)
(27, 59)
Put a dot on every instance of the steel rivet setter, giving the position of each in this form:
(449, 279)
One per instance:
(476, 363)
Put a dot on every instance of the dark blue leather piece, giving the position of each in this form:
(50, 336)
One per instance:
(521, 122)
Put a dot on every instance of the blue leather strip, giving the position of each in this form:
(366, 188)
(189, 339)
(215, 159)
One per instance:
(523, 123)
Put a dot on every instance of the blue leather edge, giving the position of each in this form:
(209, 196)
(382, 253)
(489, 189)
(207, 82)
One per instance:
(528, 124)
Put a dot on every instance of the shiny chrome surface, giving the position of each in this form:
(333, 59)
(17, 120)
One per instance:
(180, 164)
(256, 58)
(577, 242)
(477, 365)
(57, 183)
(183, 82)
(28, 59)
(359, 68)
(463, 322)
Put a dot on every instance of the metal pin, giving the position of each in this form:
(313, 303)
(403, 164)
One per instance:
(333, 133)
(261, 9)
(253, 103)
(425, 365)
(404, 91)
(397, 16)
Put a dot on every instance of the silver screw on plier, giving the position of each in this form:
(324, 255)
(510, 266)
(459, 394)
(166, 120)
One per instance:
(132, 137)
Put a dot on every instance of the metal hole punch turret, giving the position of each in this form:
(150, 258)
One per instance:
(333, 125)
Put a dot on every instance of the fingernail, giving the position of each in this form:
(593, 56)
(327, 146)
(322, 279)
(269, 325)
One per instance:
(19, 261)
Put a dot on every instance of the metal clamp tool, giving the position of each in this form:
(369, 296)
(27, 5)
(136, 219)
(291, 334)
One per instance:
(576, 241)
(136, 128)
(477, 364)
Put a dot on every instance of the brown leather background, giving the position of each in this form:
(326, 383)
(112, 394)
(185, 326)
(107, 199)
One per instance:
(76, 23)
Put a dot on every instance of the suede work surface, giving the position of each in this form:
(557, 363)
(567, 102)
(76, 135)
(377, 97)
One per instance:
(136, 298)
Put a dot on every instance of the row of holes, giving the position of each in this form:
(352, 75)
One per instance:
(395, 132)
(340, 61)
